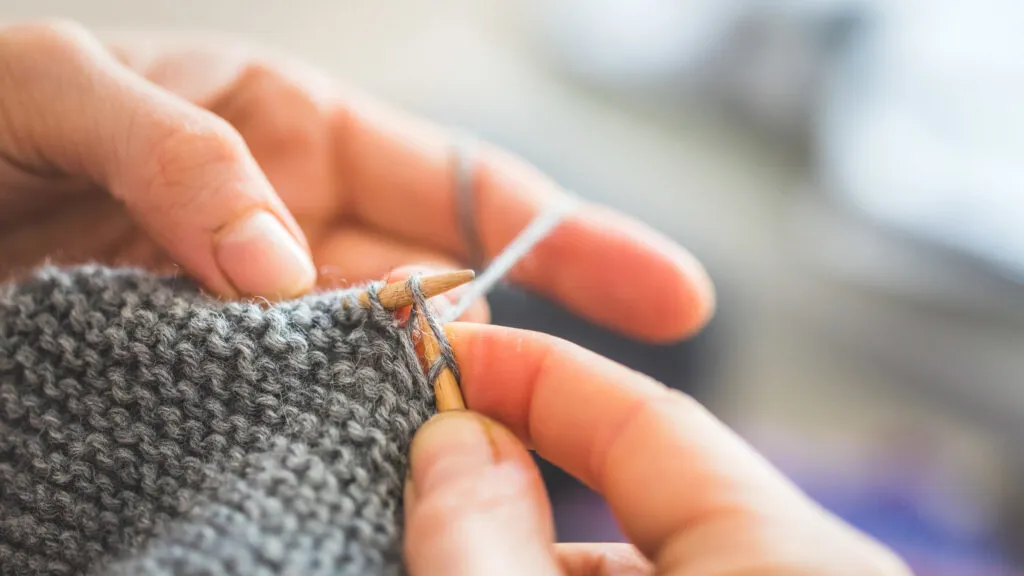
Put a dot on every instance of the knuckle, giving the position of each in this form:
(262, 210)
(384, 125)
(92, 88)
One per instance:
(277, 78)
(259, 71)
(665, 403)
(199, 143)
(189, 158)
(682, 402)
(282, 111)
(186, 148)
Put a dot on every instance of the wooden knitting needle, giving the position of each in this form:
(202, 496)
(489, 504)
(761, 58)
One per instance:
(446, 390)
(397, 295)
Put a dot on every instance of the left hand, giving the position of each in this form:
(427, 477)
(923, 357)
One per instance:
(369, 187)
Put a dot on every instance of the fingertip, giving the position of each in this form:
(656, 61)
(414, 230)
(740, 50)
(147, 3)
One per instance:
(620, 273)
(689, 300)
(261, 258)
(474, 440)
(478, 312)
(448, 446)
(478, 501)
(664, 292)
(403, 273)
(499, 367)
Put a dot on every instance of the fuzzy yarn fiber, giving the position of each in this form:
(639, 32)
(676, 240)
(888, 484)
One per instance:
(148, 429)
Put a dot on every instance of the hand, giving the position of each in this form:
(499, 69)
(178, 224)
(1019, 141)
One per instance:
(691, 495)
(242, 167)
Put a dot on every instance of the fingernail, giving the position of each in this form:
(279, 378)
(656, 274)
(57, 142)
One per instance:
(449, 446)
(261, 258)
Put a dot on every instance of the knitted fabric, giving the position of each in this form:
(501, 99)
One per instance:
(148, 429)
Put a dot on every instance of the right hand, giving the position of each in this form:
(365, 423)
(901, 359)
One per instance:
(693, 498)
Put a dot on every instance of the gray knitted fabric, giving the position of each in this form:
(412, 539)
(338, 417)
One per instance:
(148, 429)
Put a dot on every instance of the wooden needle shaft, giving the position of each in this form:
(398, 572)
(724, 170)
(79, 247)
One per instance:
(446, 389)
(397, 295)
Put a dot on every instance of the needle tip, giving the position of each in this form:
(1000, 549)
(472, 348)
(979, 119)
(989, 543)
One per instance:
(396, 295)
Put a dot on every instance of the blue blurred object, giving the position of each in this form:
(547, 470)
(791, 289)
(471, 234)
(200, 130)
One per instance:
(907, 494)
(891, 511)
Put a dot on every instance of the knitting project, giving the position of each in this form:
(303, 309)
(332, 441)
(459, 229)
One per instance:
(148, 429)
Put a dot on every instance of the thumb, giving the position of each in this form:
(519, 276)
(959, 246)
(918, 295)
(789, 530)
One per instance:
(185, 175)
(475, 503)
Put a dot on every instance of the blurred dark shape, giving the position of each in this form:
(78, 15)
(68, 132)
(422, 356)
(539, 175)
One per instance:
(1012, 520)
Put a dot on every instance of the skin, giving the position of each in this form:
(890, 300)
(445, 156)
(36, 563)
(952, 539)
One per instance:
(693, 498)
(261, 177)
(158, 151)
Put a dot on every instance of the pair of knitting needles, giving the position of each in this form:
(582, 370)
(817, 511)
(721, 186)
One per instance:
(397, 295)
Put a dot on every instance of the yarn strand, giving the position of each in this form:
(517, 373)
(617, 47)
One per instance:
(464, 173)
(447, 355)
(537, 230)
(442, 357)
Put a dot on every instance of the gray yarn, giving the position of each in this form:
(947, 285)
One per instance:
(147, 429)
(463, 159)
(447, 355)
(542, 225)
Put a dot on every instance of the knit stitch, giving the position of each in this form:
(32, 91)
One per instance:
(148, 429)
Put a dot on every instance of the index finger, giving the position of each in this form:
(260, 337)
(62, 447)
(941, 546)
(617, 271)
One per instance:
(395, 173)
(663, 463)
(399, 170)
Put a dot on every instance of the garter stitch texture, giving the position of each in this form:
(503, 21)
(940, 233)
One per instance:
(147, 429)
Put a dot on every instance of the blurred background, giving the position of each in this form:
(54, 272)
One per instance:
(851, 172)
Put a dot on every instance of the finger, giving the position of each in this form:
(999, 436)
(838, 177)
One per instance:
(602, 559)
(398, 170)
(355, 253)
(185, 174)
(278, 105)
(478, 312)
(394, 172)
(478, 504)
(671, 473)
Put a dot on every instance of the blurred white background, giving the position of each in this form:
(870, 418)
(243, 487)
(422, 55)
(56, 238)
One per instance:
(841, 345)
